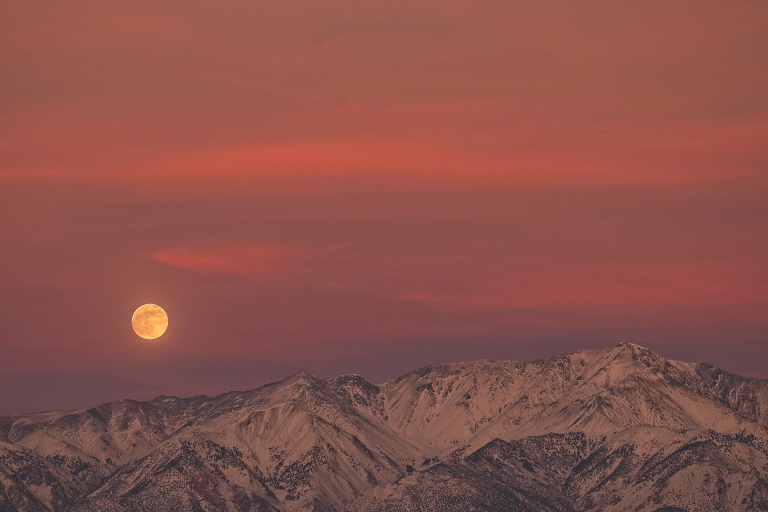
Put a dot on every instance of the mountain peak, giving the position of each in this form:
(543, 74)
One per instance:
(634, 348)
(641, 354)
(624, 351)
(621, 361)
(302, 378)
(626, 345)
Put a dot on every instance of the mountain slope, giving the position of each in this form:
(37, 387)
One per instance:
(640, 470)
(296, 444)
(466, 405)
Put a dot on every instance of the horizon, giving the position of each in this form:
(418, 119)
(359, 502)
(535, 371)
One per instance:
(378, 384)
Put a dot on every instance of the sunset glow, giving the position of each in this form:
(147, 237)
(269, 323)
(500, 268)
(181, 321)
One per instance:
(365, 187)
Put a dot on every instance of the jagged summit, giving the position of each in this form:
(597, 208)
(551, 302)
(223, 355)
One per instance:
(626, 345)
(552, 432)
(300, 378)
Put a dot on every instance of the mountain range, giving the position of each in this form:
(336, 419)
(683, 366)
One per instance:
(619, 429)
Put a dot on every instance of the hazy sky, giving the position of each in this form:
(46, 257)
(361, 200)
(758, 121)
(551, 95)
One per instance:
(372, 186)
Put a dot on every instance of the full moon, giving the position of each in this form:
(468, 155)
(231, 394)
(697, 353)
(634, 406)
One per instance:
(149, 321)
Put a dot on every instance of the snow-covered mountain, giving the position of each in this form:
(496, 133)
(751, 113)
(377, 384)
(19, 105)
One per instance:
(616, 429)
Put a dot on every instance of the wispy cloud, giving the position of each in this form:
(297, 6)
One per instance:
(257, 261)
(580, 286)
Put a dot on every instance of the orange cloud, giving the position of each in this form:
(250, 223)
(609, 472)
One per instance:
(263, 262)
(576, 286)
(523, 153)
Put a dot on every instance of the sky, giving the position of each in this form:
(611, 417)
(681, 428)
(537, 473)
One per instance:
(369, 187)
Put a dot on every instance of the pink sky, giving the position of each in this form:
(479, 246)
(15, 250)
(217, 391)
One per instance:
(368, 187)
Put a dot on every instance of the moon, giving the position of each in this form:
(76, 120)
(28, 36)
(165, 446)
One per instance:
(150, 321)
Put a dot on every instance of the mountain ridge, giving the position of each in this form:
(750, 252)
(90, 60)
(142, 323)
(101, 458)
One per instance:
(309, 443)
